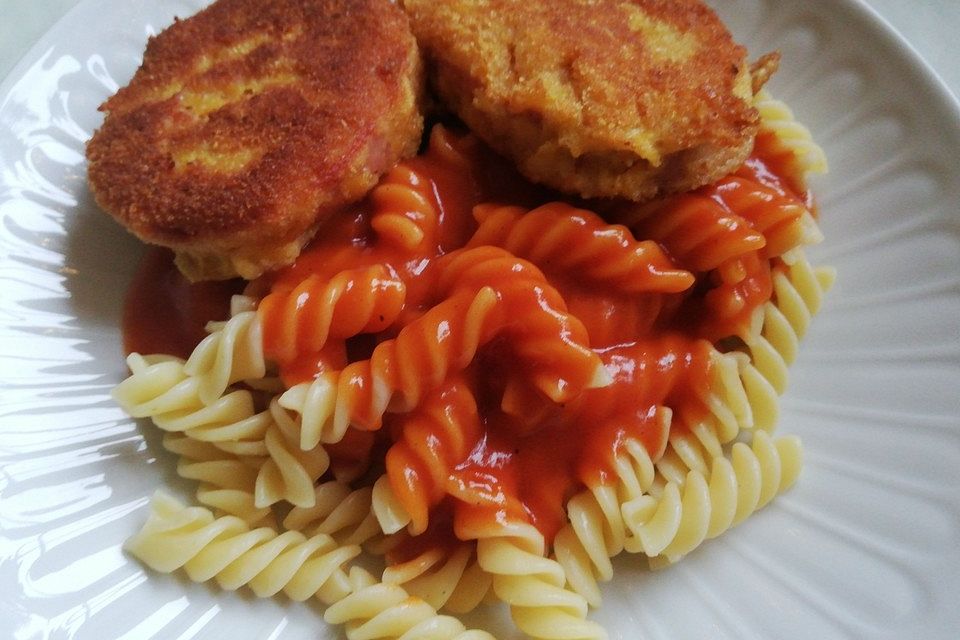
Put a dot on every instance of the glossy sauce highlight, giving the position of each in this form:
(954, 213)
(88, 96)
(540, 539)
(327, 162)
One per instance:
(529, 454)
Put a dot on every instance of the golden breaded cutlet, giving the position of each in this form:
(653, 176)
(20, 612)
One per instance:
(600, 98)
(251, 122)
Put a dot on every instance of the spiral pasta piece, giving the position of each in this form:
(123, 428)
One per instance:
(552, 343)
(774, 337)
(227, 481)
(160, 388)
(405, 215)
(782, 218)
(684, 516)
(233, 352)
(315, 402)
(156, 384)
(737, 398)
(456, 150)
(579, 244)
(243, 438)
(596, 530)
(227, 550)
(533, 585)
(289, 472)
(406, 212)
(794, 138)
(698, 232)
(391, 514)
(338, 511)
(433, 439)
(401, 371)
(449, 579)
(387, 611)
(300, 321)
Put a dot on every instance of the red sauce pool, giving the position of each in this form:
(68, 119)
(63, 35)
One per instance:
(165, 313)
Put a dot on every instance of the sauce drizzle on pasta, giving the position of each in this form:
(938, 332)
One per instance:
(708, 257)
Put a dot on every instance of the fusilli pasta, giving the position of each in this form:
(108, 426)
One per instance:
(388, 611)
(698, 509)
(533, 585)
(338, 511)
(578, 243)
(449, 579)
(405, 215)
(439, 433)
(289, 472)
(496, 398)
(227, 481)
(227, 550)
(772, 339)
(233, 352)
(596, 530)
(789, 135)
(542, 334)
(355, 301)
(402, 370)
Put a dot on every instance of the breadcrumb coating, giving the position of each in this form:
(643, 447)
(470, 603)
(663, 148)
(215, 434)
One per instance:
(598, 98)
(251, 122)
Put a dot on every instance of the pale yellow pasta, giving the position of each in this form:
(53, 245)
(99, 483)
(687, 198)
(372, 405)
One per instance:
(236, 502)
(338, 511)
(449, 579)
(686, 514)
(227, 481)
(227, 550)
(316, 403)
(475, 586)
(390, 512)
(533, 585)
(289, 472)
(778, 118)
(160, 389)
(762, 396)
(777, 327)
(233, 352)
(597, 531)
(157, 385)
(388, 611)
(725, 409)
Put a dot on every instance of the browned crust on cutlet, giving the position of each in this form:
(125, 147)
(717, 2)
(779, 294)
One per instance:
(319, 98)
(601, 98)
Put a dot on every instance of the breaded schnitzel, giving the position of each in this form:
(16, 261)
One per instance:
(600, 98)
(251, 122)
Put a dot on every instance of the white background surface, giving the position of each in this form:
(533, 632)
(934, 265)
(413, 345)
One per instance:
(931, 26)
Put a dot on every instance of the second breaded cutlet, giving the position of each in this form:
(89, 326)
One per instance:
(599, 98)
(251, 122)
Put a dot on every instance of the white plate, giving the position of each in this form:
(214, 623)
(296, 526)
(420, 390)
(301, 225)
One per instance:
(866, 546)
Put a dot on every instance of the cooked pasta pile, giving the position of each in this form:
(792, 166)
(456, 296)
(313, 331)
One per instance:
(494, 391)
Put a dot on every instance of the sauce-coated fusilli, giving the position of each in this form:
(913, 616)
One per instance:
(495, 389)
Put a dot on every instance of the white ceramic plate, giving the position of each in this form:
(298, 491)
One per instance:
(866, 546)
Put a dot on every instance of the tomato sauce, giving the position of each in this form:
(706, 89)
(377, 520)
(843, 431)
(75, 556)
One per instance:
(165, 313)
(531, 455)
